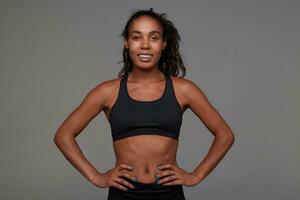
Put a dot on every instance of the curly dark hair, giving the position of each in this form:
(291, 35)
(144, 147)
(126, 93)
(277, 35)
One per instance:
(170, 62)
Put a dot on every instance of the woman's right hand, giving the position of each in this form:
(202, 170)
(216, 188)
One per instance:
(112, 178)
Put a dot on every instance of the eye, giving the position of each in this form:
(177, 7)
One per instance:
(135, 37)
(154, 38)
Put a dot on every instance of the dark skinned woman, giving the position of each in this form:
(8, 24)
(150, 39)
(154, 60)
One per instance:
(144, 107)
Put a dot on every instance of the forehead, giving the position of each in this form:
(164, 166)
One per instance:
(144, 24)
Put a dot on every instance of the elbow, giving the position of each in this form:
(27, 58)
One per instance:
(57, 139)
(61, 138)
(227, 137)
(228, 134)
(231, 138)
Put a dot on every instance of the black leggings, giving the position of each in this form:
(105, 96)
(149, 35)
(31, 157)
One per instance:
(147, 191)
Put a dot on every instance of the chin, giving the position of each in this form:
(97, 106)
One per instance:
(146, 65)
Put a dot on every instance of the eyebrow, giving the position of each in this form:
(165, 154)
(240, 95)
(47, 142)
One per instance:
(139, 32)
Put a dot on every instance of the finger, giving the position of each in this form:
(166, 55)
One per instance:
(124, 182)
(127, 176)
(165, 173)
(125, 166)
(167, 166)
(119, 186)
(167, 179)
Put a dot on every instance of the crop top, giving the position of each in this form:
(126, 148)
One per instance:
(129, 117)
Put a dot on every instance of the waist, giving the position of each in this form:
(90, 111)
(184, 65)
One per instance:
(145, 172)
(145, 153)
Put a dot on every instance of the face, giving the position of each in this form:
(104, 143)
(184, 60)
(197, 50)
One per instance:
(145, 42)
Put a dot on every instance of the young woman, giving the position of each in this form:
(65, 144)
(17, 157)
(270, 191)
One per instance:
(144, 107)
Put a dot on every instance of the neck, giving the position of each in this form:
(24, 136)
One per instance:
(146, 76)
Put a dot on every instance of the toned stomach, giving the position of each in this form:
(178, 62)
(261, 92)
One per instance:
(144, 153)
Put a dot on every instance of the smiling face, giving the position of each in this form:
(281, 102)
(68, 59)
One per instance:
(145, 42)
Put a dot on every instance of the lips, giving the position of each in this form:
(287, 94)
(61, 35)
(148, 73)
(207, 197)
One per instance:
(145, 56)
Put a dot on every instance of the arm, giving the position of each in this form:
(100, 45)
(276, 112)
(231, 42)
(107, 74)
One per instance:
(72, 126)
(224, 138)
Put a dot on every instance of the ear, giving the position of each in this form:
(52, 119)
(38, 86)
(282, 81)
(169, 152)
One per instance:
(165, 44)
(126, 44)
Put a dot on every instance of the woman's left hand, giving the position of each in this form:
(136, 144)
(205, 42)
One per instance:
(174, 175)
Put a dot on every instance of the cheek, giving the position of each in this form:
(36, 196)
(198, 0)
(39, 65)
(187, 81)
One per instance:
(132, 50)
(157, 48)
(157, 52)
(134, 45)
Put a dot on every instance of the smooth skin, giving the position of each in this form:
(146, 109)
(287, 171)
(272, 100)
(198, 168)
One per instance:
(139, 157)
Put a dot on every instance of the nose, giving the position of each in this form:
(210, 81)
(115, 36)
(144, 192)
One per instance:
(145, 43)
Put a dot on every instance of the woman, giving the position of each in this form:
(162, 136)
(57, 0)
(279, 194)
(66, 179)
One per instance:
(144, 107)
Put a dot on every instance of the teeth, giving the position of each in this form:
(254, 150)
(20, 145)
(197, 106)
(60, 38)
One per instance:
(145, 56)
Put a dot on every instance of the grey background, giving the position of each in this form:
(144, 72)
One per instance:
(243, 54)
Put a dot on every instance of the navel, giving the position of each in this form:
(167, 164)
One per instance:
(146, 170)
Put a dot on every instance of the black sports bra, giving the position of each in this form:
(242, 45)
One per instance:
(129, 117)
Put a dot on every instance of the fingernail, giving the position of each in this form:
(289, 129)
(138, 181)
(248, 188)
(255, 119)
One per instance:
(158, 166)
(157, 182)
(134, 179)
(131, 167)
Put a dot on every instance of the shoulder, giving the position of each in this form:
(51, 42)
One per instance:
(101, 93)
(108, 85)
(183, 84)
(188, 88)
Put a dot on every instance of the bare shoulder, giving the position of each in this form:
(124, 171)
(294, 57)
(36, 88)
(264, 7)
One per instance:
(184, 85)
(180, 82)
(108, 87)
(180, 86)
(189, 90)
(100, 94)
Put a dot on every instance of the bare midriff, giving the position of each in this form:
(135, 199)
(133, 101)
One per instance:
(145, 153)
